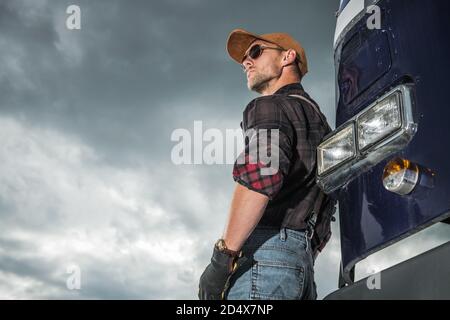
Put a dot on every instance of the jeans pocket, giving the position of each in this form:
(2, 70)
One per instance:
(272, 280)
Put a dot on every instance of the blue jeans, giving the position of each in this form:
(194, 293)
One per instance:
(279, 267)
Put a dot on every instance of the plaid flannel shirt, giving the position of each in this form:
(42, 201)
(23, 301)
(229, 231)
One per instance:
(288, 130)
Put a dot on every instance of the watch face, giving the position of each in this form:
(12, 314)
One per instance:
(220, 244)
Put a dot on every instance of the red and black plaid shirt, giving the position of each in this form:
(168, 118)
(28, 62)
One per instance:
(291, 186)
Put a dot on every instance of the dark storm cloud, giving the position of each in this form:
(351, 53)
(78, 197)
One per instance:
(135, 71)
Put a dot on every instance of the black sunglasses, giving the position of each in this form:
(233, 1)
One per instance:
(256, 51)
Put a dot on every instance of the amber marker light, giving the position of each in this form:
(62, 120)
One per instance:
(400, 176)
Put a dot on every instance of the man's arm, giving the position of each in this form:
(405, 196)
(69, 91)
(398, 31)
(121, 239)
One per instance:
(253, 191)
(247, 208)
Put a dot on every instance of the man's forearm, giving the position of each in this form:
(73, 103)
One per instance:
(247, 208)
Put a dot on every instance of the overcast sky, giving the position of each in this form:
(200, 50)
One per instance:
(86, 118)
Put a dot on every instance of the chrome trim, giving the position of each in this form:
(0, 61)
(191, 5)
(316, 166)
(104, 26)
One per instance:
(381, 150)
(348, 267)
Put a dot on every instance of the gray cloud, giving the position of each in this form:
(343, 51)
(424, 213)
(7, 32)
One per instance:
(119, 80)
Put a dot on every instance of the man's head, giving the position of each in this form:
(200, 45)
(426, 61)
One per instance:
(270, 60)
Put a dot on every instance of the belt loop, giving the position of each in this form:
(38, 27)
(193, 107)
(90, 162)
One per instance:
(308, 241)
(283, 234)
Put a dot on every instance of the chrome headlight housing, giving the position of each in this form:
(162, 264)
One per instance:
(383, 128)
(337, 149)
(379, 121)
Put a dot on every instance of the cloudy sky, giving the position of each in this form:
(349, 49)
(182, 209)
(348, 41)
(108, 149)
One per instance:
(87, 182)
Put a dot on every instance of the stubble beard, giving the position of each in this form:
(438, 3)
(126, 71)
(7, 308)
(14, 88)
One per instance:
(258, 83)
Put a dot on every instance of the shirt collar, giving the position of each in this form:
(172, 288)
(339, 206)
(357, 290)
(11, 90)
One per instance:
(291, 88)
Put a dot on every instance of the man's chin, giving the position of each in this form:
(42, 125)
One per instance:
(257, 87)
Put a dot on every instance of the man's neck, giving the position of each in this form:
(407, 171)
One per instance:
(279, 83)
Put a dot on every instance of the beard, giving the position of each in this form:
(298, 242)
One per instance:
(259, 82)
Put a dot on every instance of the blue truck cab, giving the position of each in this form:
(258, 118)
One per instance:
(388, 161)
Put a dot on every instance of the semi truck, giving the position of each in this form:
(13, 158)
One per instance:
(387, 162)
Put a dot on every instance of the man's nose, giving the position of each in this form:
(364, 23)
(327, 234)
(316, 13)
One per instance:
(247, 63)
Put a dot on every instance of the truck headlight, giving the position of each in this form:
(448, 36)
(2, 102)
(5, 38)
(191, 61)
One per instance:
(337, 149)
(382, 129)
(379, 121)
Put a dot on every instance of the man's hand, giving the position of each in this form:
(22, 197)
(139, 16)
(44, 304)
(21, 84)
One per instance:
(215, 279)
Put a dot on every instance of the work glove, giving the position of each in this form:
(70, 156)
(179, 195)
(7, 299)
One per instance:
(215, 279)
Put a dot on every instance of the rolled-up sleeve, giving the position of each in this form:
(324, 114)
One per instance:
(269, 142)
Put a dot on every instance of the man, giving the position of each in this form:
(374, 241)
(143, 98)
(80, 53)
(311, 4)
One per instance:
(265, 251)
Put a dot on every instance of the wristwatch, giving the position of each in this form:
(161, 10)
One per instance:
(222, 247)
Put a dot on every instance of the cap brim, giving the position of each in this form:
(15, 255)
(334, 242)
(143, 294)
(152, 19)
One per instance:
(238, 42)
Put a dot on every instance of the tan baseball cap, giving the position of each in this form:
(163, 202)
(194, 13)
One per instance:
(240, 40)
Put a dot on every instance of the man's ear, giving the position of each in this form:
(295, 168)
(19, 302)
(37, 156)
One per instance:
(289, 57)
